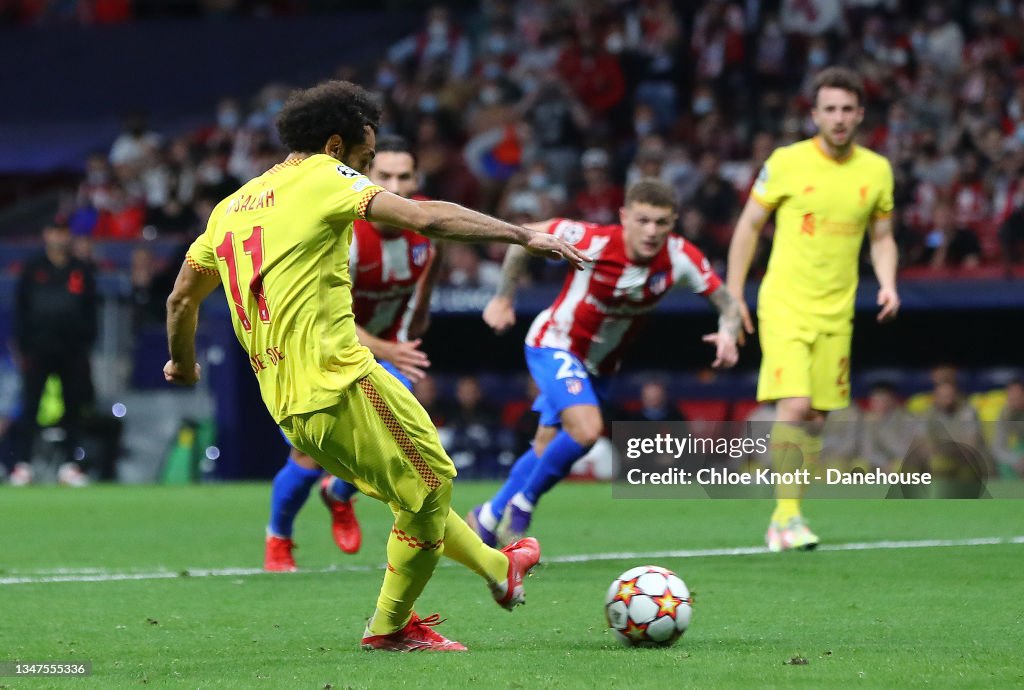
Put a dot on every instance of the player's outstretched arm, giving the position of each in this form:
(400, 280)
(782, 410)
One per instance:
(190, 288)
(448, 221)
(730, 322)
(500, 313)
(741, 253)
(885, 259)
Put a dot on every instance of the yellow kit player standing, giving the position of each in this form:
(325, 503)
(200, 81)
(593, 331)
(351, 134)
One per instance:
(279, 248)
(825, 192)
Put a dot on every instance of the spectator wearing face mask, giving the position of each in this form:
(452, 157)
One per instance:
(939, 41)
(811, 17)
(652, 38)
(133, 144)
(817, 54)
(557, 120)
(600, 199)
(949, 244)
(212, 173)
(888, 429)
(715, 197)
(717, 41)
(441, 43)
(594, 74)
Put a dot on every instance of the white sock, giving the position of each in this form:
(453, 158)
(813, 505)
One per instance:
(520, 501)
(488, 520)
(331, 495)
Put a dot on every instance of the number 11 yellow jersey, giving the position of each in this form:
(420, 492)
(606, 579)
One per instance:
(280, 246)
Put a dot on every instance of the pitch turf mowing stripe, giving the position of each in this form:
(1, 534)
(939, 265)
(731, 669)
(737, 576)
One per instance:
(99, 575)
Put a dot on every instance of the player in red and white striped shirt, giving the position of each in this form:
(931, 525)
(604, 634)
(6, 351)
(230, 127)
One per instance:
(393, 271)
(390, 290)
(575, 344)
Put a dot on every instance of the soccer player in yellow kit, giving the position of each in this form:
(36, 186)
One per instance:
(279, 248)
(825, 192)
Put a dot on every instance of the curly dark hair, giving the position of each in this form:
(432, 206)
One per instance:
(310, 116)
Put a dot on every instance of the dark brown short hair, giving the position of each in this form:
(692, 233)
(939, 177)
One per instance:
(394, 143)
(651, 190)
(839, 78)
(310, 116)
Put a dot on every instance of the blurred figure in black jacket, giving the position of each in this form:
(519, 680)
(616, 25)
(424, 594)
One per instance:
(54, 331)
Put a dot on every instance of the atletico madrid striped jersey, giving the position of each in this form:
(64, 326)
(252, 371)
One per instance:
(385, 275)
(597, 313)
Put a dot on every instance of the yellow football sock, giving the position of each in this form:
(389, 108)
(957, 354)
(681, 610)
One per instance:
(414, 548)
(797, 450)
(811, 446)
(463, 545)
(787, 456)
(785, 510)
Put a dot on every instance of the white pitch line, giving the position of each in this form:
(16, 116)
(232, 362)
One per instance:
(98, 575)
(753, 550)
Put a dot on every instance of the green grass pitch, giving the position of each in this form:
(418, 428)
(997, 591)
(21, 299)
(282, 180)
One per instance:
(942, 616)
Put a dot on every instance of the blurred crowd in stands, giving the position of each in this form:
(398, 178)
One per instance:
(485, 422)
(543, 108)
(941, 428)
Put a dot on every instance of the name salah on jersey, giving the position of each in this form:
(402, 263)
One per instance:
(251, 202)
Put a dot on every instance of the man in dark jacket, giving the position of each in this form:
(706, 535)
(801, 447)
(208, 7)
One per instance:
(54, 330)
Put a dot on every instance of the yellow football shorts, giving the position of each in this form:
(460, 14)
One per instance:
(379, 438)
(802, 363)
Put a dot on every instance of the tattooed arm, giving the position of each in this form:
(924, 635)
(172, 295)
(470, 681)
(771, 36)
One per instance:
(500, 313)
(730, 323)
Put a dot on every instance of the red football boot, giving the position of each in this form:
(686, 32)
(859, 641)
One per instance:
(278, 556)
(344, 525)
(523, 555)
(418, 635)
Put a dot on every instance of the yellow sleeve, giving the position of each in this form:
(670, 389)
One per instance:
(348, 192)
(201, 255)
(769, 189)
(884, 207)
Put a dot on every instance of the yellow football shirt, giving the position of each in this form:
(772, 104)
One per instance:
(280, 245)
(822, 210)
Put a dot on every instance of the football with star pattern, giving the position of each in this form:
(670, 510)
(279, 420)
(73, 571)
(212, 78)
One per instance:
(648, 606)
